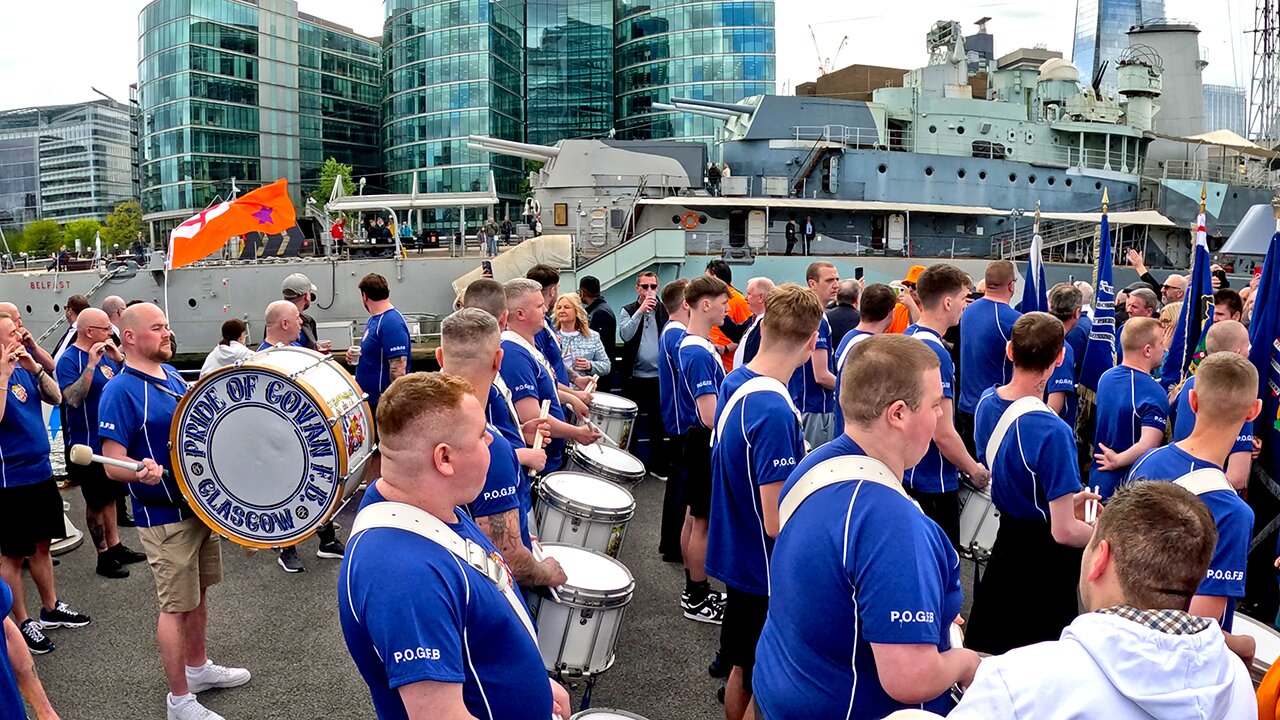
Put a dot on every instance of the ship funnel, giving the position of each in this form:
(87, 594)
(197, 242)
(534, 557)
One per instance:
(543, 153)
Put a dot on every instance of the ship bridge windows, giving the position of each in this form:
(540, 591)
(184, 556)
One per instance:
(989, 150)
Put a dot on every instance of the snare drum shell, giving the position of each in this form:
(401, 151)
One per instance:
(979, 521)
(562, 519)
(582, 458)
(339, 401)
(578, 635)
(615, 416)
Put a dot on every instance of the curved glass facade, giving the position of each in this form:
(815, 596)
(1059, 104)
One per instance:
(452, 68)
(570, 69)
(664, 49)
(1101, 33)
(250, 90)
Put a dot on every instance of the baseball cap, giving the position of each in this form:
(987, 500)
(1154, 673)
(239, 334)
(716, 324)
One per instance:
(913, 275)
(297, 285)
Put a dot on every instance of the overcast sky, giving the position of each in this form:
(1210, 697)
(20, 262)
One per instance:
(55, 50)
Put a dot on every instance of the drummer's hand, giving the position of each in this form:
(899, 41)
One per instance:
(582, 381)
(535, 460)
(587, 435)
(1107, 458)
(537, 425)
(967, 661)
(150, 474)
(979, 476)
(552, 574)
(579, 408)
(560, 700)
(1079, 499)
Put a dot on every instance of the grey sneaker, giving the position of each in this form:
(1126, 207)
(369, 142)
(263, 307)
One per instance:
(215, 676)
(290, 561)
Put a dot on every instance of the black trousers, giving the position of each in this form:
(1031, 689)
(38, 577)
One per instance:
(644, 393)
(673, 508)
(944, 509)
(791, 243)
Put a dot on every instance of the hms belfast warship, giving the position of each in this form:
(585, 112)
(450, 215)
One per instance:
(921, 170)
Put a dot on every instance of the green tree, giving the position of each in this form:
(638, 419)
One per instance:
(123, 224)
(328, 172)
(41, 238)
(82, 230)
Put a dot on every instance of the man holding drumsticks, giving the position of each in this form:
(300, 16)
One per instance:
(134, 419)
(432, 620)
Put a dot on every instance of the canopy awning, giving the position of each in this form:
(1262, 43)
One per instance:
(1134, 217)
(355, 203)
(1225, 139)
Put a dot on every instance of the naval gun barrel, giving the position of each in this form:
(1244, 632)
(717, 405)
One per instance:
(498, 146)
(704, 112)
(714, 105)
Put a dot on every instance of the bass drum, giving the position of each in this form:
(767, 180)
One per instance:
(266, 451)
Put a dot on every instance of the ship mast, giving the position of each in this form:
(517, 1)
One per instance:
(1264, 98)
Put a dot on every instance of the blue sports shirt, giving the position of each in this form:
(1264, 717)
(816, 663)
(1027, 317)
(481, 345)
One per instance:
(24, 440)
(1184, 420)
(1035, 465)
(700, 373)
(808, 395)
(668, 369)
(934, 473)
(526, 377)
(506, 487)
(386, 337)
(1128, 401)
(985, 329)
(82, 422)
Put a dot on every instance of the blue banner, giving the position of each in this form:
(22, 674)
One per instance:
(1035, 293)
(1100, 351)
(1264, 337)
(1186, 348)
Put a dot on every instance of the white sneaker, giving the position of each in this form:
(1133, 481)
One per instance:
(189, 709)
(215, 676)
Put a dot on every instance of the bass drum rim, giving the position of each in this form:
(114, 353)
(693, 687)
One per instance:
(343, 460)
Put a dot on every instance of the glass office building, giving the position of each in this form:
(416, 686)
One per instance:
(1225, 108)
(65, 162)
(453, 68)
(1101, 27)
(569, 61)
(664, 49)
(229, 88)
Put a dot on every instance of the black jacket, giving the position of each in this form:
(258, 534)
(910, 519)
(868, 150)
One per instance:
(631, 347)
(600, 318)
(842, 319)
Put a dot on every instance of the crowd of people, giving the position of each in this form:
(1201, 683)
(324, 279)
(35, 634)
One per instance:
(886, 402)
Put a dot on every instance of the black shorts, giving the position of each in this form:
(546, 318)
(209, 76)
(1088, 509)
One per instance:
(697, 472)
(744, 615)
(99, 491)
(30, 514)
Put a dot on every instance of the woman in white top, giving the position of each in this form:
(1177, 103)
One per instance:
(230, 350)
(582, 349)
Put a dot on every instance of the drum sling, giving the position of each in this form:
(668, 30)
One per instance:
(1028, 592)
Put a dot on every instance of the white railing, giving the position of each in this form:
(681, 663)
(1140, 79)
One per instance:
(1253, 174)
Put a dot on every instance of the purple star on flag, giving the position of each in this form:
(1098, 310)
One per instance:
(264, 215)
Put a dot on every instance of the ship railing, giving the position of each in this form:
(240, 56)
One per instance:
(1016, 242)
(1230, 173)
(1120, 157)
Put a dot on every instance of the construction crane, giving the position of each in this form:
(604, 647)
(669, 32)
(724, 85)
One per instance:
(1264, 100)
(826, 65)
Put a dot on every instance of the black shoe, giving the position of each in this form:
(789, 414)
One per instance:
(331, 549)
(718, 669)
(62, 616)
(290, 561)
(123, 519)
(37, 642)
(110, 567)
(125, 555)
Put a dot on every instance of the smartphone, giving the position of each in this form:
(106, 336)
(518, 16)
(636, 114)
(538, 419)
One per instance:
(857, 273)
(487, 268)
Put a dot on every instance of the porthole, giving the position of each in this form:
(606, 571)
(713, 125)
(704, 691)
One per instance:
(702, 219)
(1097, 185)
(28, 309)
(1051, 180)
(56, 308)
(883, 168)
(191, 302)
(675, 219)
(1013, 177)
(928, 171)
(1068, 182)
(933, 128)
(1031, 179)
(960, 173)
(960, 130)
(982, 174)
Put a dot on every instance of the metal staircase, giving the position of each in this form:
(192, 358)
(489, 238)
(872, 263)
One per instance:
(1055, 234)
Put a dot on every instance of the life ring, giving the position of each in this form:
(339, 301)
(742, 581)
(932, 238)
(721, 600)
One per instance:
(689, 220)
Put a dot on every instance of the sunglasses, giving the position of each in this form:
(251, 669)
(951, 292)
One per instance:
(648, 287)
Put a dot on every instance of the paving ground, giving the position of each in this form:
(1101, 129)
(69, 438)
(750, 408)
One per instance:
(284, 628)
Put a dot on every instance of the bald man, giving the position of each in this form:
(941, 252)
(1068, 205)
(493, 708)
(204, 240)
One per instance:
(114, 306)
(283, 325)
(1227, 336)
(134, 419)
(1174, 288)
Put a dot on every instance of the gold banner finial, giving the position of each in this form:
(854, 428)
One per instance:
(1204, 193)
(1105, 201)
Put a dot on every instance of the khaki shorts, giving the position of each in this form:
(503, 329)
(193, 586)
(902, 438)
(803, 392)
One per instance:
(185, 558)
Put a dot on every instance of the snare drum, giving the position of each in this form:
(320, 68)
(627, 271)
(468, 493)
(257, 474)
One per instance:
(605, 714)
(615, 416)
(578, 634)
(265, 451)
(610, 463)
(979, 522)
(1266, 639)
(578, 509)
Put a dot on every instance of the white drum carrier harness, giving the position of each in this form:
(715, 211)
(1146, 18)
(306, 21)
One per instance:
(402, 516)
(1205, 480)
(1011, 414)
(845, 468)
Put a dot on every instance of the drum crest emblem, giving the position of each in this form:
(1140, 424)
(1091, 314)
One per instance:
(354, 426)
(19, 392)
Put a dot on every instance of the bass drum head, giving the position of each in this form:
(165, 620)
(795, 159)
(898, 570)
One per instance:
(591, 574)
(610, 462)
(256, 456)
(605, 714)
(588, 490)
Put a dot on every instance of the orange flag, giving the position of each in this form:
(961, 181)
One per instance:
(266, 210)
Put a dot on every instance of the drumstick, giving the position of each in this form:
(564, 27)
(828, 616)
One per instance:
(539, 438)
(540, 556)
(84, 455)
(591, 385)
